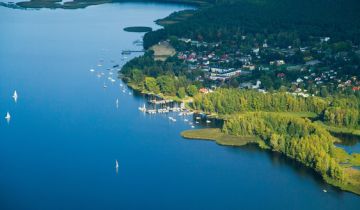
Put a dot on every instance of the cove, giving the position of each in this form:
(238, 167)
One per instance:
(59, 150)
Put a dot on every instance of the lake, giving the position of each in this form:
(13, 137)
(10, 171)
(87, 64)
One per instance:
(60, 147)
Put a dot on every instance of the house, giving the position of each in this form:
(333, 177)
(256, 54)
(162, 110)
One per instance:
(277, 62)
(247, 85)
(185, 40)
(312, 63)
(280, 75)
(249, 67)
(299, 80)
(204, 90)
(257, 86)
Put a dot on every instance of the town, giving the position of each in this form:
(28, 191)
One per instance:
(320, 68)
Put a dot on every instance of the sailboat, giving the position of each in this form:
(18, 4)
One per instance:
(143, 108)
(117, 103)
(116, 164)
(15, 96)
(7, 117)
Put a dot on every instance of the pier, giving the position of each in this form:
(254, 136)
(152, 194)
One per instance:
(128, 52)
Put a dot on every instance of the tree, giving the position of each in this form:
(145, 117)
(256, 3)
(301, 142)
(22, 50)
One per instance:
(191, 90)
(151, 85)
(137, 76)
(167, 84)
(181, 92)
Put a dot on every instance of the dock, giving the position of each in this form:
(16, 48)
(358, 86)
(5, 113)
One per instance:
(128, 52)
(160, 101)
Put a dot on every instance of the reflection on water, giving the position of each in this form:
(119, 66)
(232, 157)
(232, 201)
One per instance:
(279, 161)
(349, 142)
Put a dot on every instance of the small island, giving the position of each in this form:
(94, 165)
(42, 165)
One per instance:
(138, 29)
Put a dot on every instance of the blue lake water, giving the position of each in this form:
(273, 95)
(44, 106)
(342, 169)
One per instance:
(60, 147)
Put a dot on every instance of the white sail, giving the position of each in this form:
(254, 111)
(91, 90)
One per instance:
(15, 96)
(8, 117)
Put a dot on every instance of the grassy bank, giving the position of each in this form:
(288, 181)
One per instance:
(352, 184)
(215, 134)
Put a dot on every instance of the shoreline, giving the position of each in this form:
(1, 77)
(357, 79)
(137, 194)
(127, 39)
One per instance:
(215, 134)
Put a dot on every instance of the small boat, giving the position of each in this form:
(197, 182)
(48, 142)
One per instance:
(208, 121)
(15, 96)
(117, 103)
(92, 70)
(198, 118)
(130, 93)
(185, 120)
(325, 191)
(192, 126)
(8, 117)
(99, 65)
(105, 86)
(197, 122)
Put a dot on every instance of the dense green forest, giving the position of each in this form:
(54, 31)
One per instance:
(279, 21)
(295, 137)
(299, 139)
(337, 110)
(169, 78)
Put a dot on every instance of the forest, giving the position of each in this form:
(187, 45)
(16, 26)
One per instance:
(282, 21)
(295, 137)
(337, 110)
(169, 78)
